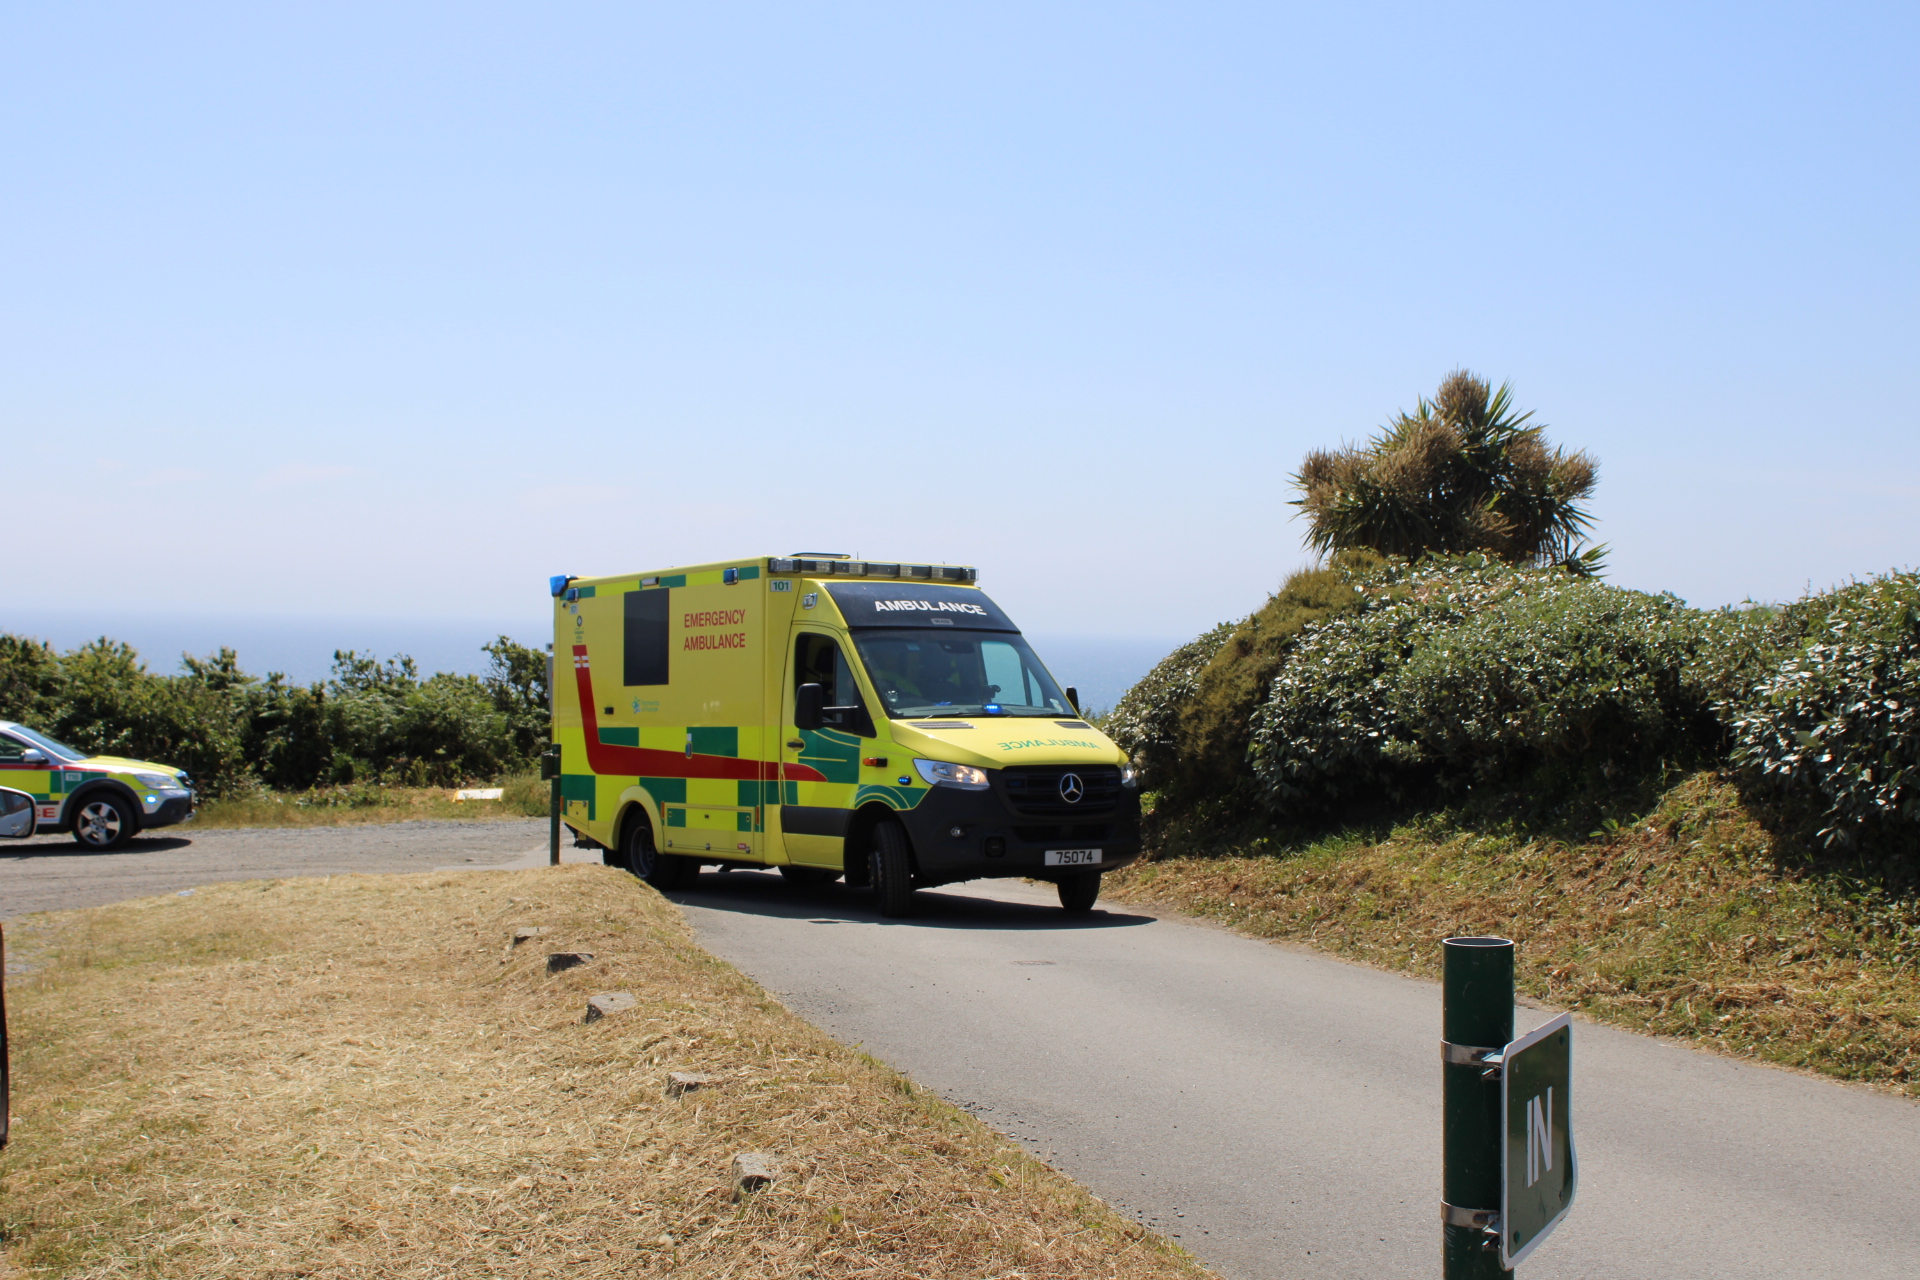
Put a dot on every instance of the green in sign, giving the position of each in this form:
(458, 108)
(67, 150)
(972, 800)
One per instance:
(1538, 1174)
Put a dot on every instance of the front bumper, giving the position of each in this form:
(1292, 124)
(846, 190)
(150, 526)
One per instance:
(169, 810)
(995, 840)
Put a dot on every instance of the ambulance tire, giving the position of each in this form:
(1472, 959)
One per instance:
(892, 862)
(807, 875)
(1078, 892)
(664, 871)
(104, 820)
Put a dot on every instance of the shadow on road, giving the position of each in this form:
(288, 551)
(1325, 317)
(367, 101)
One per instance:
(65, 847)
(766, 893)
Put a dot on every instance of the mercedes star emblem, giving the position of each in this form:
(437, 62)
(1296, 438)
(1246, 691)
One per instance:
(1070, 788)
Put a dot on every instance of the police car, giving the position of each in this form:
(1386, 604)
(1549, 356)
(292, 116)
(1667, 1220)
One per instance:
(102, 800)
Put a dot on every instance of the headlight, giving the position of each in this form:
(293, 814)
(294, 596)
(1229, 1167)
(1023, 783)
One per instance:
(1129, 776)
(160, 782)
(939, 773)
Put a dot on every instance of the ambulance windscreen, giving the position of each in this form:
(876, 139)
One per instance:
(927, 672)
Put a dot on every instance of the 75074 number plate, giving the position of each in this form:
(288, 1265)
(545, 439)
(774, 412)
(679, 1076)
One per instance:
(1072, 857)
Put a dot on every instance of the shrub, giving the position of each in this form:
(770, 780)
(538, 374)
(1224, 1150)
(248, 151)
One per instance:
(372, 722)
(1213, 724)
(1145, 720)
(1838, 722)
(1462, 670)
(110, 704)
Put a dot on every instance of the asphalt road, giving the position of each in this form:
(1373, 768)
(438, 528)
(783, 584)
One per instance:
(1279, 1111)
(52, 873)
(1275, 1110)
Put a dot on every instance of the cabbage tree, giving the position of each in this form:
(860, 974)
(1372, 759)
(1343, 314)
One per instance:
(1464, 472)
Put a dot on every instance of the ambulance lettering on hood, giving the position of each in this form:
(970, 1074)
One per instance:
(927, 606)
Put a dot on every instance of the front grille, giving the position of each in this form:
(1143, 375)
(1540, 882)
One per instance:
(1035, 790)
(1064, 831)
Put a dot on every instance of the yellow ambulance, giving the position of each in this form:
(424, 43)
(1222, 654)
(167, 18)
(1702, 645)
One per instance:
(831, 717)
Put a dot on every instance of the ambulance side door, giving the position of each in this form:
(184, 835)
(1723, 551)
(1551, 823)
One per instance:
(817, 804)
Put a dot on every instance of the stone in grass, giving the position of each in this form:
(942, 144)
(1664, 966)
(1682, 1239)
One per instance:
(753, 1170)
(561, 961)
(679, 1082)
(600, 1006)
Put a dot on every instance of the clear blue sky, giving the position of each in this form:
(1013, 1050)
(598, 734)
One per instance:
(394, 310)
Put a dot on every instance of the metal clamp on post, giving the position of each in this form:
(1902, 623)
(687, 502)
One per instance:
(1455, 1216)
(1474, 1055)
(1485, 1221)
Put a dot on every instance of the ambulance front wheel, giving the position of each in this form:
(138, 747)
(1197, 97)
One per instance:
(892, 862)
(1079, 891)
(663, 871)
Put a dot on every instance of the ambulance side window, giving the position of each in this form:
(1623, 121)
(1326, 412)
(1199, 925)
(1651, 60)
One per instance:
(11, 749)
(646, 642)
(818, 660)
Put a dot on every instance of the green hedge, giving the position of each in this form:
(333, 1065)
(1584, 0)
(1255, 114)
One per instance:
(1840, 718)
(1395, 679)
(371, 721)
(1146, 720)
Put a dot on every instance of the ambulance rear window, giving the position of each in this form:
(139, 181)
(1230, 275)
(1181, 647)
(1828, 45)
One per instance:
(646, 643)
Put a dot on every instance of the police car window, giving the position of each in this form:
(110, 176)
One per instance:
(44, 743)
(920, 673)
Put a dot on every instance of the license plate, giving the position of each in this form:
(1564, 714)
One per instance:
(1072, 857)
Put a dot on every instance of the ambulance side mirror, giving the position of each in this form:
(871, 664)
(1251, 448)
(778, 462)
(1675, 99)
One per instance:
(808, 702)
(33, 755)
(16, 814)
(1073, 699)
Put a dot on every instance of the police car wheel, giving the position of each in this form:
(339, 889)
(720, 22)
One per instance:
(102, 822)
(1079, 891)
(892, 862)
(808, 875)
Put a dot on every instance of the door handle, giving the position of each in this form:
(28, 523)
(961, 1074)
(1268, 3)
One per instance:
(795, 743)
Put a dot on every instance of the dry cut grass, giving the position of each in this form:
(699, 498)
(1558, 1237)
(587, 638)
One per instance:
(360, 1077)
(359, 803)
(1683, 923)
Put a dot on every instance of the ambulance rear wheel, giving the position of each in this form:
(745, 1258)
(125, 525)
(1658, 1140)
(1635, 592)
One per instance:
(1079, 891)
(663, 871)
(892, 862)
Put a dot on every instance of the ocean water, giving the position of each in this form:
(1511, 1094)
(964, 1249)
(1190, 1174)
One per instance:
(1100, 667)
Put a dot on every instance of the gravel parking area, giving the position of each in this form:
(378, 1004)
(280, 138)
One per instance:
(52, 873)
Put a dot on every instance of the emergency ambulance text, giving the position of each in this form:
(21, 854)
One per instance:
(713, 618)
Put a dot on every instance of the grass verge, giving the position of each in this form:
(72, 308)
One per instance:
(1686, 921)
(357, 803)
(359, 1076)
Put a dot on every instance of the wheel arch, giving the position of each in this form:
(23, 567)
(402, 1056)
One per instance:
(109, 786)
(858, 846)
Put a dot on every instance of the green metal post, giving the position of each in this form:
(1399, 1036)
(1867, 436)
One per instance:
(1476, 1013)
(6, 1085)
(550, 765)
